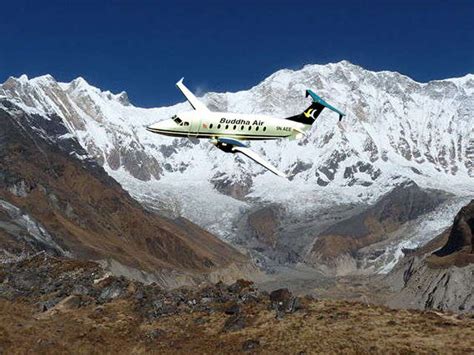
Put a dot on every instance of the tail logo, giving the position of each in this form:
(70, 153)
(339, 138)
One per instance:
(309, 113)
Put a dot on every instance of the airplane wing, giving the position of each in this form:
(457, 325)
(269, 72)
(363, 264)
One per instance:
(258, 159)
(230, 145)
(195, 103)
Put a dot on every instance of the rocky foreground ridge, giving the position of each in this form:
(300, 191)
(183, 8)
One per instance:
(55, 304)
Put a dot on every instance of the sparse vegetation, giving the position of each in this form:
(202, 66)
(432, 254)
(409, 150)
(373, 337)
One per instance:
(54, 305)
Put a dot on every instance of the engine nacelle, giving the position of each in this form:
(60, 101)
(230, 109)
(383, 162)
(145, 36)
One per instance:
(227, 144)
(225, 147)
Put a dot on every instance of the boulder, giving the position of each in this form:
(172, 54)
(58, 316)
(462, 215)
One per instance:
(233, 308)
(283, 301)
(250, 344)
(234, 323)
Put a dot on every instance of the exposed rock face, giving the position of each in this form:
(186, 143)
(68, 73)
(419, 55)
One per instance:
(425, 287)
(20, 234)
(461, 237)
(270, 237)
(338, 245)
(264, 225)
(54, 197)
(78, 104)
(439, 275)
(228, 186)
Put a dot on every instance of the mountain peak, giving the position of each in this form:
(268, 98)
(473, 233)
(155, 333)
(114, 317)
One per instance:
(79, 82)
(43, 79)
(122, 97)
(23, 78)
(344, 62)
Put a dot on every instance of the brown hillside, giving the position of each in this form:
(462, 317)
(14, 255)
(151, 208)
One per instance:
(89, 214)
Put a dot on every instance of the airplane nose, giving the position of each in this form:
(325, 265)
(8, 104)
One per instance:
(153, 127)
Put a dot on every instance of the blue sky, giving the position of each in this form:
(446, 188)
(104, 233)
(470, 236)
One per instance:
(144, 47)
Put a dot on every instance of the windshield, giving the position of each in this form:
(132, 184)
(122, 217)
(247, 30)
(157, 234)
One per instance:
(177, 120)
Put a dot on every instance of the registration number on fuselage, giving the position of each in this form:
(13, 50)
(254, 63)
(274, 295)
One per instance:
(279, 128)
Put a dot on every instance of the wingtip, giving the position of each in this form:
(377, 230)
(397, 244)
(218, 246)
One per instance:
(280, 174)
(180, 81)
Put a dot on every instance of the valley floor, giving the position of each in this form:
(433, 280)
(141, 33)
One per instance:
(305, 280)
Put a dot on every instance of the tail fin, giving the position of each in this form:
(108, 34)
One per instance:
(311, 113)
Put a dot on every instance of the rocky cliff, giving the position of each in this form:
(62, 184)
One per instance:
(439, 275)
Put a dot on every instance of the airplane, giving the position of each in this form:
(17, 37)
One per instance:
(227, 130)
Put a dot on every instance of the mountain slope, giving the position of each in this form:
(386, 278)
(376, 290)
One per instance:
(341, 246)
(47, 177)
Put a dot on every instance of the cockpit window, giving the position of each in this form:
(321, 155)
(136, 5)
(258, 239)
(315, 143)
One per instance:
(177, 120)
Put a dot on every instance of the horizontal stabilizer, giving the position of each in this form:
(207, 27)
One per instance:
(320, 101)
(309, 116)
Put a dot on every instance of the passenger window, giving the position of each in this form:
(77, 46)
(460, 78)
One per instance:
(235, 127)
(226, 126)
(242, 128)
(218, 126)
(186, 123)
(250, 128)
(264, 129)
(210, 126)
(256, 128)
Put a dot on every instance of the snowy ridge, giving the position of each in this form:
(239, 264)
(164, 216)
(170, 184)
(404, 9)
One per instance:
(396, 129)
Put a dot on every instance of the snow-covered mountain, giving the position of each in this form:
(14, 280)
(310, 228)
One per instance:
(396, 129)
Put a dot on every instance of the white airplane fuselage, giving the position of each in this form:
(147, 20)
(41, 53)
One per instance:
(227, 130)
(213, 125)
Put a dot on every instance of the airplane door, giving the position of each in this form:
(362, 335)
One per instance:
(194, 127)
